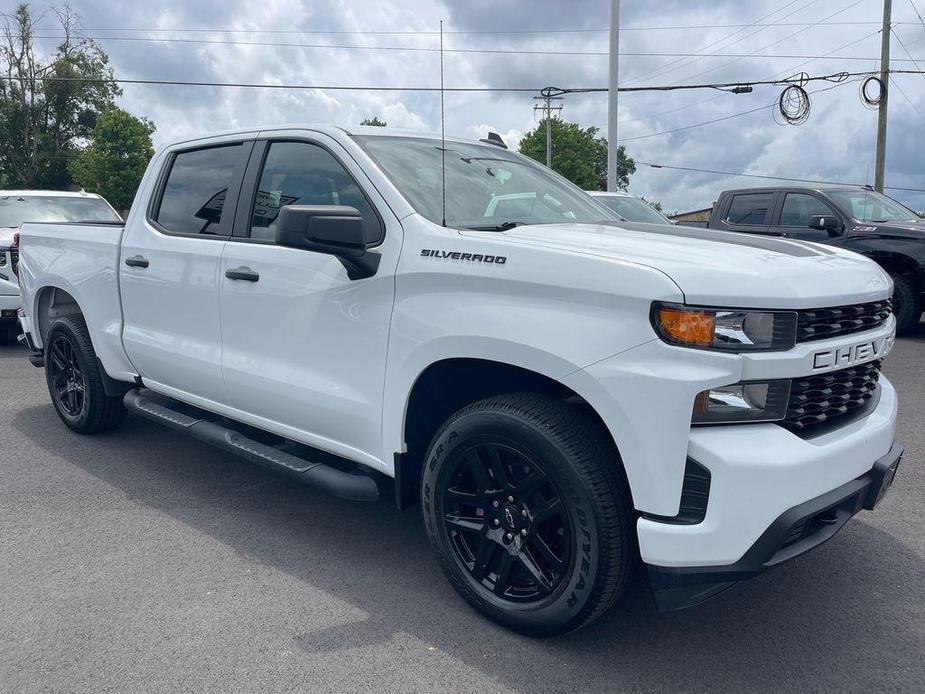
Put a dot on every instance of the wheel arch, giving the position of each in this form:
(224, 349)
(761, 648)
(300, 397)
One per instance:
(53, 302)
(898, 264)
(449, 384)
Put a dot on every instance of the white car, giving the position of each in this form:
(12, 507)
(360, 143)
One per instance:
(565, 397)
(629, 207)
(18, 206)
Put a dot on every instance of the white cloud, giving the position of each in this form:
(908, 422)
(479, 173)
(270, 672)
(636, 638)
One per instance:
(836, 143)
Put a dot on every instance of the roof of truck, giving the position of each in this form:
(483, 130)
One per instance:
(822, 187)
(332, 130)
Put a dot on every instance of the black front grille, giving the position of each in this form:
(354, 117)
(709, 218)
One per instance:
(821, 323)
(829, 397)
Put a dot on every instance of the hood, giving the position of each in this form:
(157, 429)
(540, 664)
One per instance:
(721, 268)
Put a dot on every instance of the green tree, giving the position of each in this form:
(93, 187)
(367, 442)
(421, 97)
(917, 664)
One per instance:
(374, 121)
(115, 160)
(48, 104)
(577, 153)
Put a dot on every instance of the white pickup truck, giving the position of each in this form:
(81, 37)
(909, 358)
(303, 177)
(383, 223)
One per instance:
(17, 206)
(566, 395)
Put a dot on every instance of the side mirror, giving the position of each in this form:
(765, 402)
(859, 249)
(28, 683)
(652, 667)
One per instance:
(336, 230)
(828, 223)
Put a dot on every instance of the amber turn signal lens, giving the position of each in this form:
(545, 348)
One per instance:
(687, 326)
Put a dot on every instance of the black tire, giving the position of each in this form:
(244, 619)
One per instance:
(515, 440)
(74, 380)
(907, 304)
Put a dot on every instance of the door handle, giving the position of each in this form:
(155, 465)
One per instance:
(242, 273)
(137, 261)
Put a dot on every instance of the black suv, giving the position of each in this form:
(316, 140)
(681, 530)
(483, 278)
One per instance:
(856, 218)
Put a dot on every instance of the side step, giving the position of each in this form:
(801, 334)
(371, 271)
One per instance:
(216, 431)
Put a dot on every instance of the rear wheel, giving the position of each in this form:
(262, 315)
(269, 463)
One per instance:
(907, 304)
(75, 381)
(528, 513)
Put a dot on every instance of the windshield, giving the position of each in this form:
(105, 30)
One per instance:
(633, 209)
(870, 206)
(486, 186)
(16, 209)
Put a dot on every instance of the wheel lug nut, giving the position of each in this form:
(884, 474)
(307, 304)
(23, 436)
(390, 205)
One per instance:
(495, 503)
(523, 532)
(496, 522)
(524, 513)
(508, 537)
(510, 499)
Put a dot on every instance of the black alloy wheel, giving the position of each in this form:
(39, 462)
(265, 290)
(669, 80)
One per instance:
(506, 522)
(76, 380)
(66, 375)
(528, 512)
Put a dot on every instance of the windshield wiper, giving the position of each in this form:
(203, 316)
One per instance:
(504, 226)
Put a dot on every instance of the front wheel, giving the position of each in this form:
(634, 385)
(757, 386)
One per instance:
(528, 513)
(75, 381)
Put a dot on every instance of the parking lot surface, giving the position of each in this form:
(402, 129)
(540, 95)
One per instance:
(141, 560)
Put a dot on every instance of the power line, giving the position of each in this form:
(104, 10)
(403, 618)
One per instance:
(906, 50)
(905, 96)
(720, 119)
(257, 85)
(422, 49)
(471, 32)
(787, 72)
(770, 178)
(917, 13)
(896, 84)
(789, 36)
(676, 64)
(838, 77)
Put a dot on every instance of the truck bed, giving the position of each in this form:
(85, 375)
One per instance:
(78, 260)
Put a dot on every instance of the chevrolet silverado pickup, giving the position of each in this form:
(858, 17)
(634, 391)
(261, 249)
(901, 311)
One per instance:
(567, 399)
(852, 217)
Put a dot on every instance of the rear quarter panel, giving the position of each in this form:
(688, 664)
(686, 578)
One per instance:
(82, 260)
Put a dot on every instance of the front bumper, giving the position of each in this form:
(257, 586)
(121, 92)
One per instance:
(759, 472)
(793, 533)
(755, 472)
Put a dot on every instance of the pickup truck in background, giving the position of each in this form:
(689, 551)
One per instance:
(18, 206)
(566, 398)
(856, 218)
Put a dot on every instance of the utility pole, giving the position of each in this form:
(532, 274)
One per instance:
(880, 164)
(612, 91)
(547, 108)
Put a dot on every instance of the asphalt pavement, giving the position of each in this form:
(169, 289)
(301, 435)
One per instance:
(143, 561)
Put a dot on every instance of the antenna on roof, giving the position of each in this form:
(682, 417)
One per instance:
(493, 139)
(442, 128)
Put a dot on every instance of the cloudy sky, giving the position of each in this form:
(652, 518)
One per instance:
(240, 41)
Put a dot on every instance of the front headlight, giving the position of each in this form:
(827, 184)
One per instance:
(732, 330)
(743, 402)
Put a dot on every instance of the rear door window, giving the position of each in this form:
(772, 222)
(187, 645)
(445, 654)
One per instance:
(750, 208)
(197, 186)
